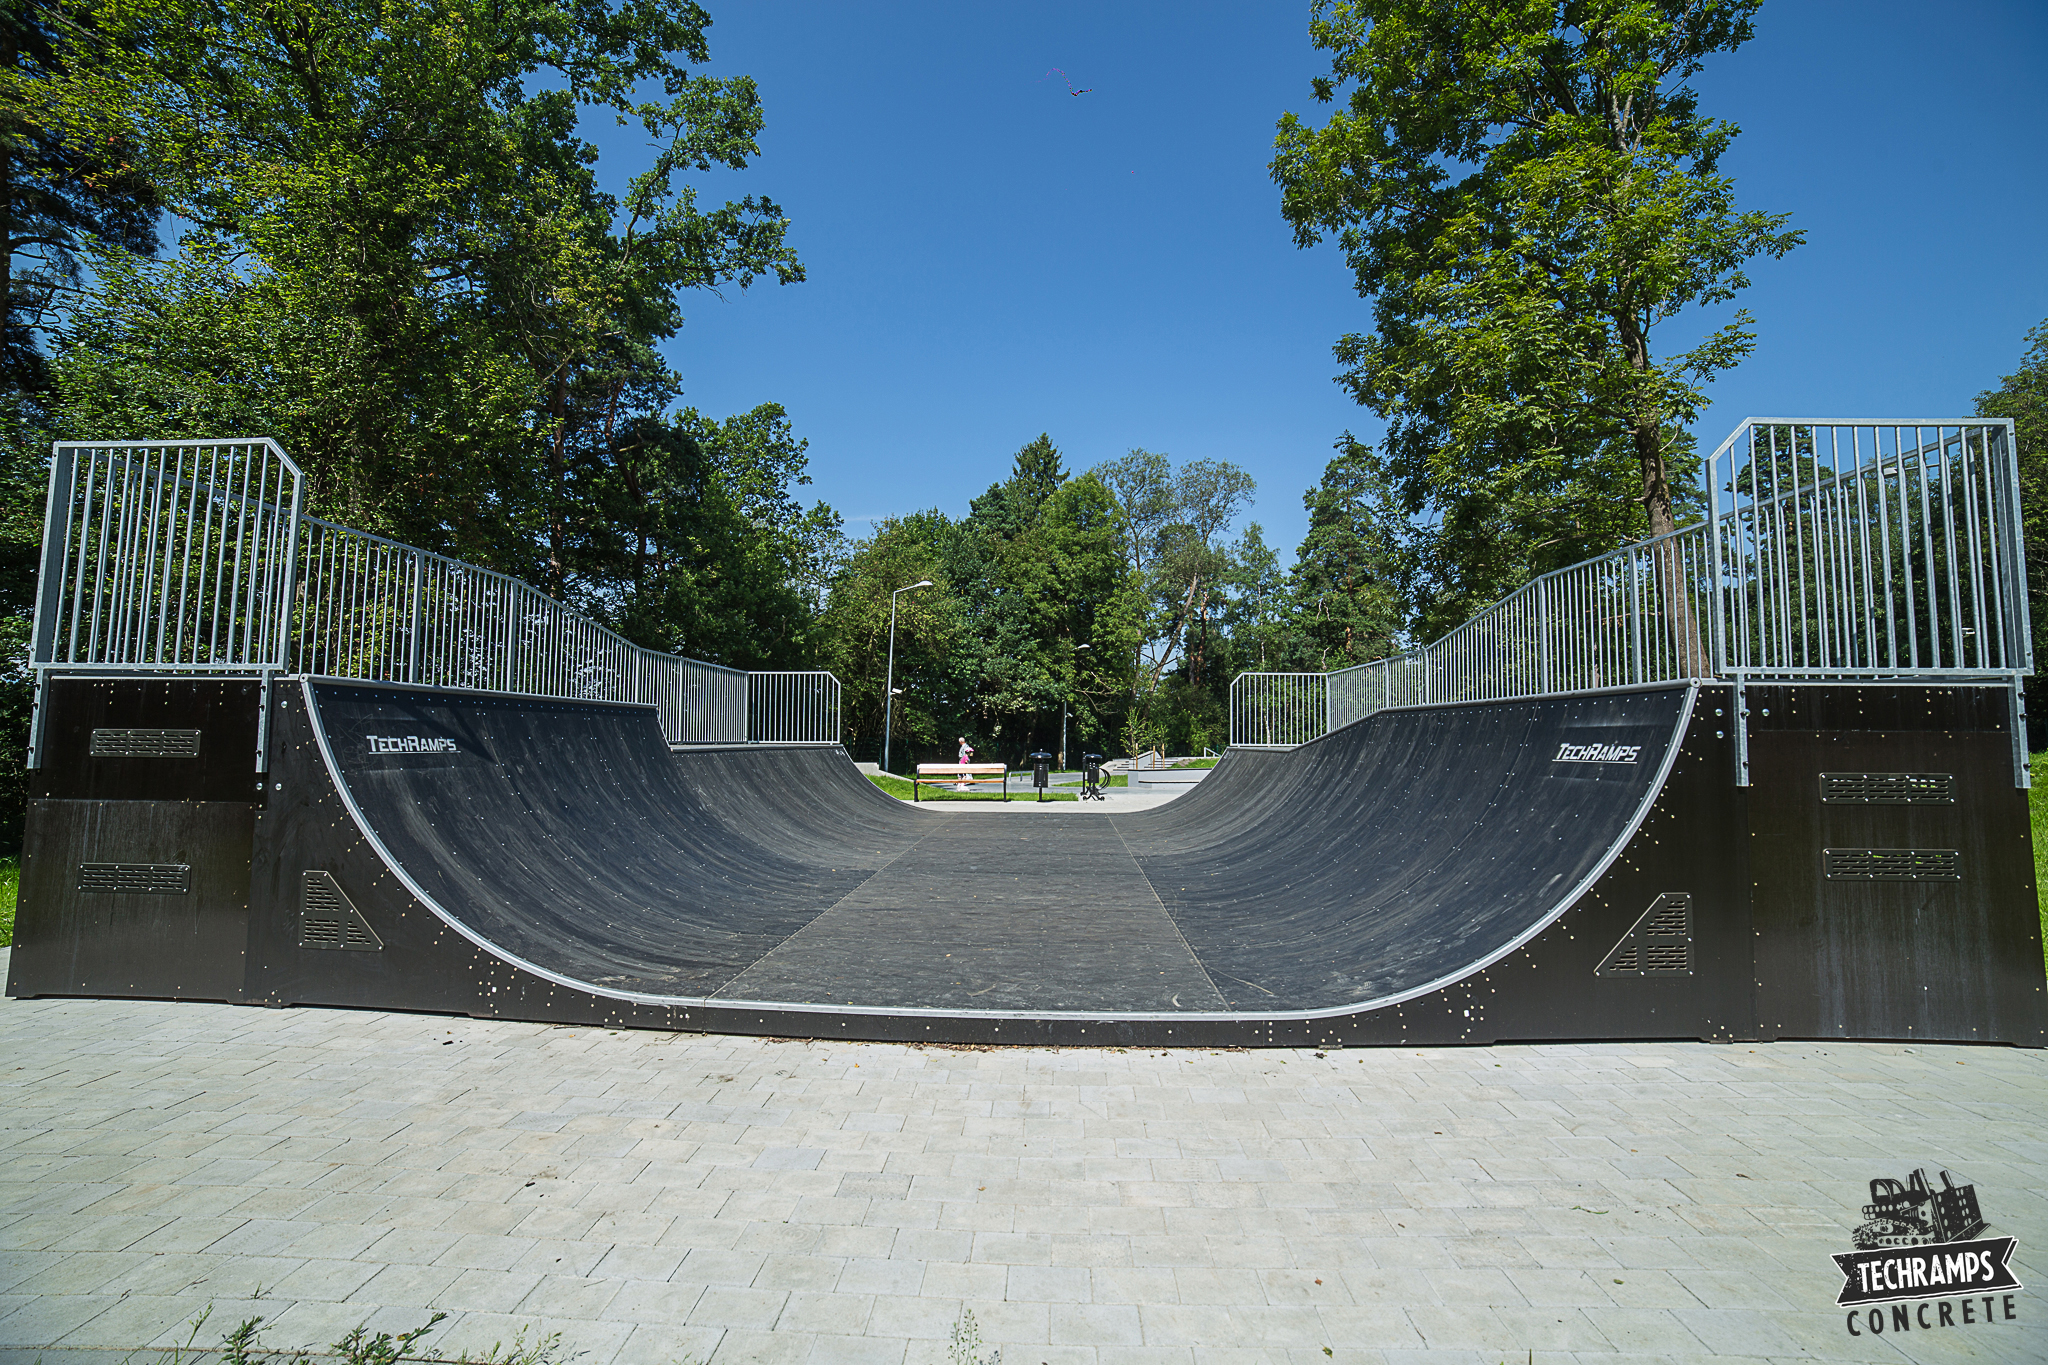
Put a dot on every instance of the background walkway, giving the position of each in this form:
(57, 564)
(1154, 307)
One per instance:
(659, 1197)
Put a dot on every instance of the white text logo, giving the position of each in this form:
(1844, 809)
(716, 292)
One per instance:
(410, 744)
(1597, 753)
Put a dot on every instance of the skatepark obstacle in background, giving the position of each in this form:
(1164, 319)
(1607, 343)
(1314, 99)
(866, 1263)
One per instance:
(1753, 780)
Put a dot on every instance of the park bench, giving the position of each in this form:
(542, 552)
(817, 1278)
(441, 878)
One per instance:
(953, 774)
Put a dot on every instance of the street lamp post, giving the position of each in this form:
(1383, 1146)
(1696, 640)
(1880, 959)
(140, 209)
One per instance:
(1063, 715)
(889, 687)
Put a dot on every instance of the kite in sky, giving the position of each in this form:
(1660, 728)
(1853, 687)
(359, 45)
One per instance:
(1070, 84)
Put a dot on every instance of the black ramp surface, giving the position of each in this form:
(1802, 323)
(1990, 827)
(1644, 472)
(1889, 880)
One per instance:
(1401, 851)
(1387, 857)
(1045, 912)
(565, 836)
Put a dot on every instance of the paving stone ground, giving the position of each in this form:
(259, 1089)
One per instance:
(662, 1198)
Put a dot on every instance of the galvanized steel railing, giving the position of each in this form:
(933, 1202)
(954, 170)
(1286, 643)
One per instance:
(793, 708)
(1280, 710)
(372, 608)
(194, 557)
(1833, 550)
(1869, 549)
(161, 556)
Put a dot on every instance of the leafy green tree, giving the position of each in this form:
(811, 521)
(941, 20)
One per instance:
(1347, 575)
(1175, 522)
(690, 539)
(929, 621)
(59, 195)
(2023, 397)
(1038, 564)
(1527, 192)
(455, 304)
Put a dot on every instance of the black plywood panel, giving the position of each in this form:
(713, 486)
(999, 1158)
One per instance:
(1934, 957)
(69, 941)
(223, 710)
(985, 912)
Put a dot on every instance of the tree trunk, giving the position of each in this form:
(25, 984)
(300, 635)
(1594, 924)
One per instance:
(1671, 574)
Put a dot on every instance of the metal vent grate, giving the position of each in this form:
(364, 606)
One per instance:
(1893, 864)
(1666, 957)
(135, 879)
(1659, 943)
(1888, 789)
(327, 919)
(144, 743)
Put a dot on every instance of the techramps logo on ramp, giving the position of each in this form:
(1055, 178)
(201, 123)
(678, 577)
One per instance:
(1918, 1252)
(1598, 753)
(412, 744)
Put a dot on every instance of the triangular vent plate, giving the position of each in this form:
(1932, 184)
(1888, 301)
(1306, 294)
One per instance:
(1658, 944)
(327, 919)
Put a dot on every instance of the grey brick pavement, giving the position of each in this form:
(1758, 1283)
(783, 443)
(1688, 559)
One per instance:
(659, 1197)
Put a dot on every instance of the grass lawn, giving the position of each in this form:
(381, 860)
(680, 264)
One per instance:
(899, 787)
(10, 882)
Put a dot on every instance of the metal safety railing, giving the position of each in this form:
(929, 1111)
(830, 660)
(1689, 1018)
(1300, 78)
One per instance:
(195, 557)
(374, 609)
(1833, 550)
(793, 708)
(166, 556)
(1279, 710)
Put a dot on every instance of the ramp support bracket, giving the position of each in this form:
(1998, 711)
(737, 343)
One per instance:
(1739, 715)
(263, 722)
(2022, 774)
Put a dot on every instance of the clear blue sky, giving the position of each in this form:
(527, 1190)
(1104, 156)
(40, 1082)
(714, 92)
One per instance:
(991, 257)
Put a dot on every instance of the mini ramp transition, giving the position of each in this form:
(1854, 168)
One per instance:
(1569, 867)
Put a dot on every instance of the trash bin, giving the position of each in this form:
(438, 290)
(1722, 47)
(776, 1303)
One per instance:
(1041, 772)
(1091, 777)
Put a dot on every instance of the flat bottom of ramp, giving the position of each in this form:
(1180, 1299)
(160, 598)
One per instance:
(1056, 916)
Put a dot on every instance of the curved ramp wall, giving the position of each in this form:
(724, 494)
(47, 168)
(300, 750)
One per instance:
(1423, 876)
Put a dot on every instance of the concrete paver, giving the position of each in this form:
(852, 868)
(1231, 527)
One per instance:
(658, 1198)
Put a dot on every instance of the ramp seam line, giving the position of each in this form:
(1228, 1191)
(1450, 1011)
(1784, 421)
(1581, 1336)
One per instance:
(850, 891)
(1193, 956)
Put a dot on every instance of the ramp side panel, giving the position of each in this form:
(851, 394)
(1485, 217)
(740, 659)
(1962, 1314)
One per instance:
(94, 804)
(1955, 958)
(72, 937)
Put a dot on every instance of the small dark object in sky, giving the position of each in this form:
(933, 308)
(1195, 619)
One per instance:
(1070, 83)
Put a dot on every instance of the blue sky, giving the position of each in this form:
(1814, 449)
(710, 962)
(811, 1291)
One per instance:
(991, 257)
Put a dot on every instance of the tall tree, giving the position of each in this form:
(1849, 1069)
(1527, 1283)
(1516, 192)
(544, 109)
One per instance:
(1526, 192)
(402, 188)
(1347, 576)
(929, 622)
(61, 191)
(1174, 527)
